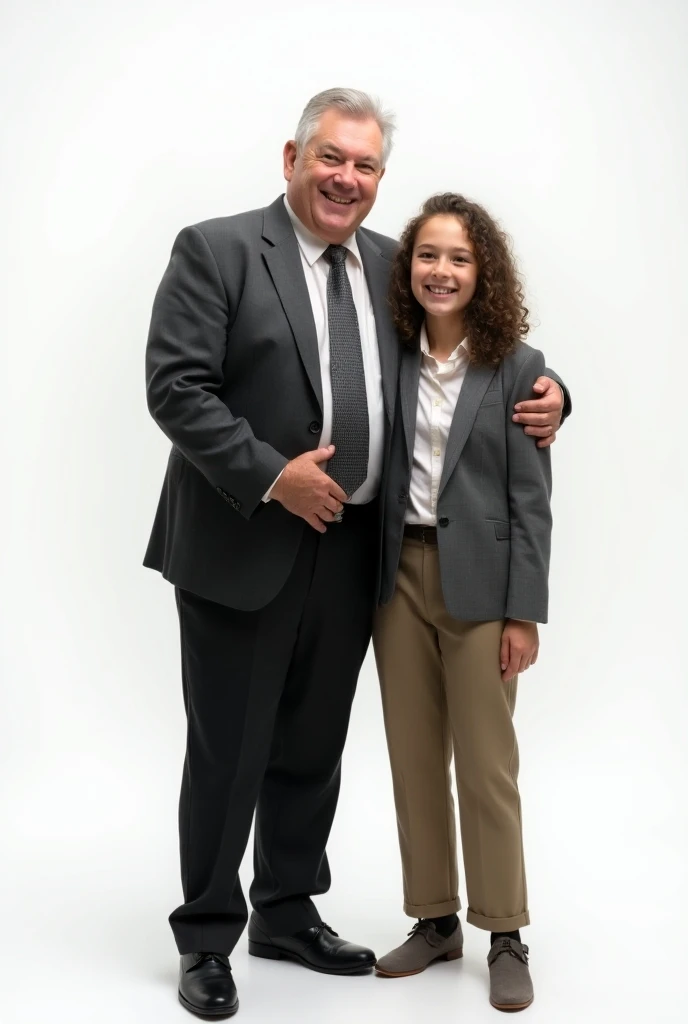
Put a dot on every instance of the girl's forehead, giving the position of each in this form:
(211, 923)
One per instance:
(445, 229)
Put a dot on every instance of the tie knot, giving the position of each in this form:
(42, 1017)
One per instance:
(335, 254)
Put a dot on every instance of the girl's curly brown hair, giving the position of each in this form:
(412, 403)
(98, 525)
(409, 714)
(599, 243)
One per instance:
(496, 317)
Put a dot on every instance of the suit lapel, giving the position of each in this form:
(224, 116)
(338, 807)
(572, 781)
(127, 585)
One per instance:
(377, 268)
(409, 379)
(284, 264)
(472, 393)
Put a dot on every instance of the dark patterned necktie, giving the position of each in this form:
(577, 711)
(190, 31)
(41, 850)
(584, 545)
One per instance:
(350, 430)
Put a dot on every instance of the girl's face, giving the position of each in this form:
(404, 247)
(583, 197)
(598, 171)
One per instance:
(444, 269)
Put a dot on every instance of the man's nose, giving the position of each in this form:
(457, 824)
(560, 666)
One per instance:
(346, 175)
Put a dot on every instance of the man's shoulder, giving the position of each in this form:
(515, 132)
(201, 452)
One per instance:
(239, 225)
(387, 246)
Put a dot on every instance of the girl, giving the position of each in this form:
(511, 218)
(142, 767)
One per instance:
(464, 584)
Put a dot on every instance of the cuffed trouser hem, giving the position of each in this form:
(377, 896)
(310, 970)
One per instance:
(498, 924)
(433, 909)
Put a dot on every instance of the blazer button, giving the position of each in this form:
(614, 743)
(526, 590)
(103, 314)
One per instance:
(402, 497)
(443, 521)
(315, 427)
(220, 491)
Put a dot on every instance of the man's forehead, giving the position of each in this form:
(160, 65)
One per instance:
(362, 138)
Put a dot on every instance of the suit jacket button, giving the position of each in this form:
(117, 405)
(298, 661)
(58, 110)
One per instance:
(220, 491)
(402, 497)
(443, 521)
(315, 427)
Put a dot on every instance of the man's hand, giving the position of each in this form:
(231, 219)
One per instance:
(520, 646)
(542, 416)
(306, 491)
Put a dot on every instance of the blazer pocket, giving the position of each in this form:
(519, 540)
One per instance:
(492, 398)
(502, 530)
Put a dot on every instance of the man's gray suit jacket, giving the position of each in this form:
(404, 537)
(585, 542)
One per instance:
(233, 380)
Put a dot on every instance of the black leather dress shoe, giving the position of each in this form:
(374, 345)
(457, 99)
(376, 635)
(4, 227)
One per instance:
(318, 948)
(206, 985)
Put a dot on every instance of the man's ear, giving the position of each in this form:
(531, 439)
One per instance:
(289, 159)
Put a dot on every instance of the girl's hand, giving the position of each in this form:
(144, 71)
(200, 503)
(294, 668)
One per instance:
(520, 646)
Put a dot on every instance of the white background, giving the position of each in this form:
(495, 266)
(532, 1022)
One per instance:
(124, 122)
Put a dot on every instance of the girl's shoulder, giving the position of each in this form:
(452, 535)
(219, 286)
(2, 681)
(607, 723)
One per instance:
(521, 355)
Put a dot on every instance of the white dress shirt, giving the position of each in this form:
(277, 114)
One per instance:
(439, 388)
(316, 269)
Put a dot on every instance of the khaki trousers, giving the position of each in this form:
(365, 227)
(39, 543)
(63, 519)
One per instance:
(442, 693)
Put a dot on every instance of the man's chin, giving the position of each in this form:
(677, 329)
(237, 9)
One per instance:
(340, 224)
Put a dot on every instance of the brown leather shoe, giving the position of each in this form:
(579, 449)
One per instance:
(419, 951)
(511, 987)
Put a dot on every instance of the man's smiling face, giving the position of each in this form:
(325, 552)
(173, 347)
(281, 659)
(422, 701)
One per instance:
(332, 184)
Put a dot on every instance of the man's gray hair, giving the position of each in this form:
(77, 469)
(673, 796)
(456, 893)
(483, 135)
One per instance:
(353, 102)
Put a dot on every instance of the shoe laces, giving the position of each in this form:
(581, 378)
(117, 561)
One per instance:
(507, 946)
(203, 958)
(423, 927)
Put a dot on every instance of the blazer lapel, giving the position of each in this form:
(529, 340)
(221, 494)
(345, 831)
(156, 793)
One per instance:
(475, 385)
(284, 264)
(377, 268)
(409, 379)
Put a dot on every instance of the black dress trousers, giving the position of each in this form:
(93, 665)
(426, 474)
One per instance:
(268, 696)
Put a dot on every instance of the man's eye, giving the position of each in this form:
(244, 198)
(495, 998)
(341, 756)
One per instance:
(329, 156)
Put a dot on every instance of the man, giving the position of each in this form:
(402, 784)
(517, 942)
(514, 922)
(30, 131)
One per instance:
(270, 336)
